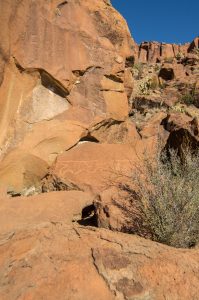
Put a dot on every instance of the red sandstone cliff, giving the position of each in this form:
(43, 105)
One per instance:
(154, 52)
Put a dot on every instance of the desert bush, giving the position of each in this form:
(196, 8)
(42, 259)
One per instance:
(162, 85)
(138, 69)
(196, 51)
(144, 87)
(164, 203)
(191, 97)
(188, 98)
(147, 85)
(157, 68)
(169, 60)
(154, 83)
(179, 56)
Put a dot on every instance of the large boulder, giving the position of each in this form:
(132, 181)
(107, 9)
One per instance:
(94, 167)
(20, 171)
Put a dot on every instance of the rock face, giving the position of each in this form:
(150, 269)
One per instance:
(64, 206)
(43, 255)
(82, 106)
(71, 73)
(53, 260)
(61, 67)
(154, 52)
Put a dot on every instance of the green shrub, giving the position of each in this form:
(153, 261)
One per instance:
(147, 85)
(169, 60)
(154, 83)
(157, 68)
(164, 203)
(179, 55)
(162, 85)
(196, 51)
(138, 69)
(189, 98)
(144, 87)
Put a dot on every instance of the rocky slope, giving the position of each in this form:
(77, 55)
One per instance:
(81, 102)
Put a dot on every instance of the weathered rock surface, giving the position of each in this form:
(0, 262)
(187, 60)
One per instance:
(43, 255)
(93, 166)
(62, 72)
(55, 260)
(19, 212)
(154, 52)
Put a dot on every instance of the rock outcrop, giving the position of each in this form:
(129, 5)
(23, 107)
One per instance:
(71, 73)
(83, 106)
(154, 52)
(55, 260)
(62, 72)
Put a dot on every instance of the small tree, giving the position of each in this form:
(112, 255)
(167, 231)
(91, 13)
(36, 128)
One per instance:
(164, 202)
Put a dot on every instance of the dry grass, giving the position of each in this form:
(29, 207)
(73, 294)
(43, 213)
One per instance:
(164, 206)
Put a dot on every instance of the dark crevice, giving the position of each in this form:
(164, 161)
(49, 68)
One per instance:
(107, 123)
(52, 84)
(114, 122)
(47, 80)
(147, 54)
(88, 217)
(80, 73)
(167, 74)
(14, 194)
(130, 62)
(19, 67)
(62, 4)
(112, 90)
(161, 50)
(89, 138)
(179, 139)
(114, 78)
(141, 104)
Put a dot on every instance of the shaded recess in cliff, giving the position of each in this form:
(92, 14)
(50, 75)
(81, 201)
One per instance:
(47, 80)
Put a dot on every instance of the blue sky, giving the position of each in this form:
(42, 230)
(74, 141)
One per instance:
(170, 21)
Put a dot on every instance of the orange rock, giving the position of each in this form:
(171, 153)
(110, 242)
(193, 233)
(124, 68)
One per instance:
(172, 71)
(194, 44)
(50, 93)
(59, 206)
(20, 170)
(128, 82)
(115, 132)
(85, 77)
(93, 166)
(153, 52)
(42, 28)
(56, 260)
(167, 50)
